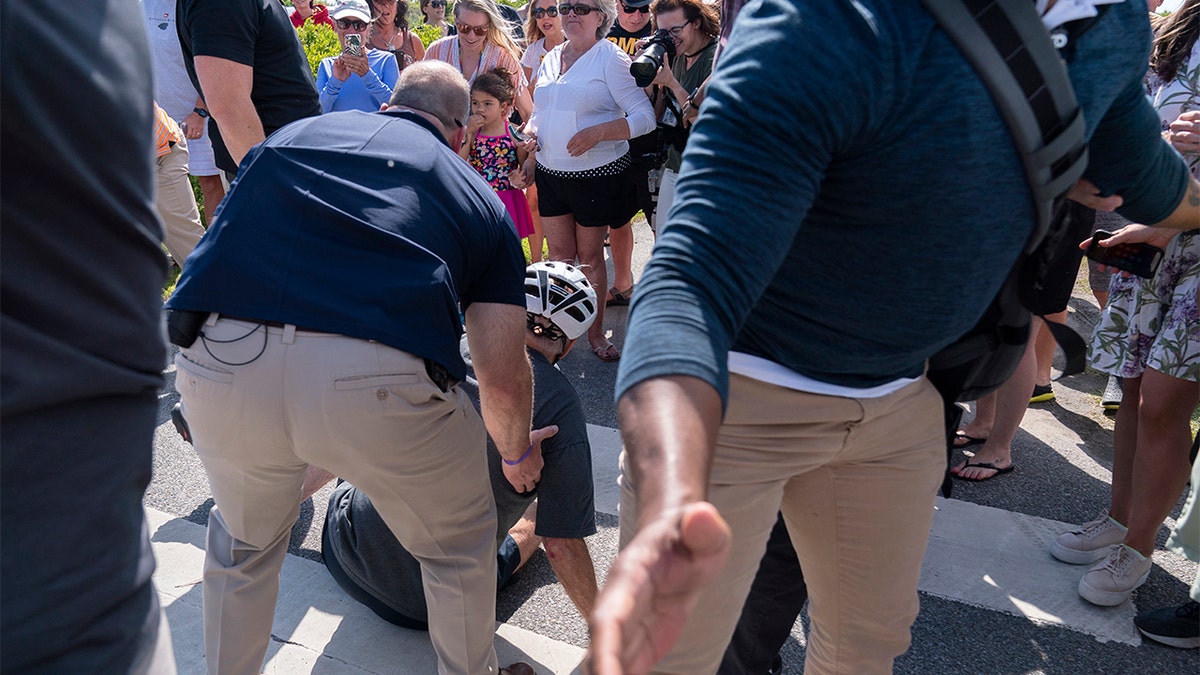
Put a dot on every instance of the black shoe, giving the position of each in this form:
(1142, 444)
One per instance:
(181, 424)
(1172, 626)
(1041, 394)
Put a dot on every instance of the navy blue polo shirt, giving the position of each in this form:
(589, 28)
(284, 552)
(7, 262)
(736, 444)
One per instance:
(362, 224)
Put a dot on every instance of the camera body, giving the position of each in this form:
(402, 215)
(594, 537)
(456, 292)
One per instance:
(646, 65)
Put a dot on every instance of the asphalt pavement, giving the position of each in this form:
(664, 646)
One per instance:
(992, 598)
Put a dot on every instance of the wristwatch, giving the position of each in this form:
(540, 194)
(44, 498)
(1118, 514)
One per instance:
(201, 112)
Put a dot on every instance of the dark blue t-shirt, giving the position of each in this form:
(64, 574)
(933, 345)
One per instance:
(362, 224)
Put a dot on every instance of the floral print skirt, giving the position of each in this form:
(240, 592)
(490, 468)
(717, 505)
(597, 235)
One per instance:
(1154, 322)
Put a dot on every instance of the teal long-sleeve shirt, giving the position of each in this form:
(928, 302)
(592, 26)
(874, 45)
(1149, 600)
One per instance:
(850, 199)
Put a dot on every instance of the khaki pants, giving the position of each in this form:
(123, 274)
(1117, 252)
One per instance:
(176, 204)
(368, 413)
(855, 480)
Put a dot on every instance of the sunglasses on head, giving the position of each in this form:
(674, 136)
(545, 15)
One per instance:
(631, 10)
(541, 13)
(347, 24)
(465, 28)
(578, 9)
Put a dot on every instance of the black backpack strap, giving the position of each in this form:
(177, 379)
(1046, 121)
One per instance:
(1012, 53)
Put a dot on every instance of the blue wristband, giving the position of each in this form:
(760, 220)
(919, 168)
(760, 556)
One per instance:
(522, 459)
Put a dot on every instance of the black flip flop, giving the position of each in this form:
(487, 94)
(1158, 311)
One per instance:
(970, 440)
(985, 465)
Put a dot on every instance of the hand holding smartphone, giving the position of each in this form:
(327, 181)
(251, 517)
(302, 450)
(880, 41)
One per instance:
(1136, 258)
(353, 45)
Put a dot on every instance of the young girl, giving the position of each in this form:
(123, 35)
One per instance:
(490, 147)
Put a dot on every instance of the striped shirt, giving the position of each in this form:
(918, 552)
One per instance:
(446, 49)
(166, 132)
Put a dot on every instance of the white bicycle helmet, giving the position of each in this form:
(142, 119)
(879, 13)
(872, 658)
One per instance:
(562, 294)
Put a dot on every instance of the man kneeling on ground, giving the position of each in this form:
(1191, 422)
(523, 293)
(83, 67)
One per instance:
(374, 568)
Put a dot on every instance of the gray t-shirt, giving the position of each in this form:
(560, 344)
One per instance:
(375, 563)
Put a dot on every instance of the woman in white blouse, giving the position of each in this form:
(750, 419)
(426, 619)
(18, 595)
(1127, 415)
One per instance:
(586, 106)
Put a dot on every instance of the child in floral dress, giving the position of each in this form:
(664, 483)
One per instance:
(491, 148)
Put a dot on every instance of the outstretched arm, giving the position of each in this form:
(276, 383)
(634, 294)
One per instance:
(496, 335)
(669, 425)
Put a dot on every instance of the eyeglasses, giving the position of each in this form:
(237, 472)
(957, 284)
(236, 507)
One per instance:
(632, 10)
(678, 30)
(549, 11)
(437, 3)
(347, 24)
(465, 28)
(578, 9)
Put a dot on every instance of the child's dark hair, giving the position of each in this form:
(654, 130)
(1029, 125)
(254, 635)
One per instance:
(497, 83)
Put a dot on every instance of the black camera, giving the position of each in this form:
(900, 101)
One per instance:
(646, 66)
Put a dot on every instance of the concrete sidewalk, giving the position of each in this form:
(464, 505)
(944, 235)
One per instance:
(318, 628)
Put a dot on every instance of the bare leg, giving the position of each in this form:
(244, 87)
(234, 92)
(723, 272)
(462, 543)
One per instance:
(560, 235)
(1161, 467)
(621, 242)
(590, 245)
(537, 240)
(980, 425)
(572, 563)
(1012, 398)
(1125, 439)
(213, 191)
(1044, 348)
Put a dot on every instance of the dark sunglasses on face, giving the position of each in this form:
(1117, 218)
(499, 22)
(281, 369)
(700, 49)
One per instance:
(630, 10)
(465, 28)
(437, 3)
(579, 9)
(541, 13)
(347, 24)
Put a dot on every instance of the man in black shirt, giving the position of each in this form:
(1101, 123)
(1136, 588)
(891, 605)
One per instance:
(244, 59)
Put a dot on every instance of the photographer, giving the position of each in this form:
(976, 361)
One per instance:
(694, 26)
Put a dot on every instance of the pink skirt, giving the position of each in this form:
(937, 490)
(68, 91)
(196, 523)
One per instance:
(518, 209)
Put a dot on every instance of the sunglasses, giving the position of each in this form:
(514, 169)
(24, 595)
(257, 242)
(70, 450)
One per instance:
(347, 24)
(541, 13)
(578, 9)
(631, 10)
(437, 3)
(464, 28)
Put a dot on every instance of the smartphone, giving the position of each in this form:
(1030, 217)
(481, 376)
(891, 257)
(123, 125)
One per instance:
(1139, 259)
(353, 45)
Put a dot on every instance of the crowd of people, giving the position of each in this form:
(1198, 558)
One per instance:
(360, 309)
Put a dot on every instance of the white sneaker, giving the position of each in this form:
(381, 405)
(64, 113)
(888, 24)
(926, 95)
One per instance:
(1111, 582)
(1090, 542)
(1111, 400)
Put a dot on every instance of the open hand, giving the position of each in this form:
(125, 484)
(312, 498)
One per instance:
(653, 586)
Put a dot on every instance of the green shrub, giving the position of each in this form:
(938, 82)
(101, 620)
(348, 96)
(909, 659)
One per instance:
(319, 42)
(426, 32)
